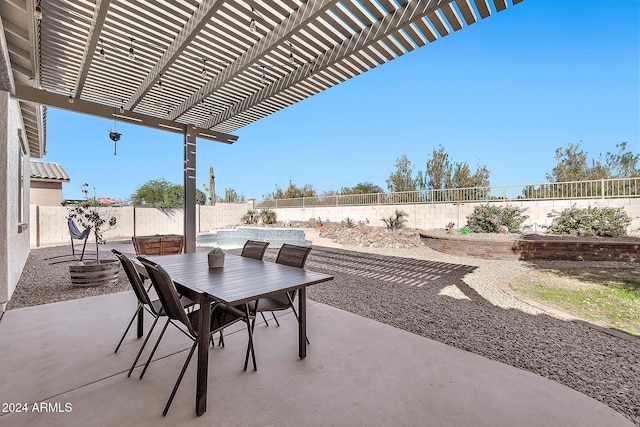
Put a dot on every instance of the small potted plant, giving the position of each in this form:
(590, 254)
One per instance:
(450, 227)
(216, 258)
(319, 222)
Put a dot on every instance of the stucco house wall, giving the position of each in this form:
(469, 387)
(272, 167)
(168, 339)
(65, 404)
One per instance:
(46, 193)
(14, 238)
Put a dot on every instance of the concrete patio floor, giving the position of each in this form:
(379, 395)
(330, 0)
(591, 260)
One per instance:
(358, 372)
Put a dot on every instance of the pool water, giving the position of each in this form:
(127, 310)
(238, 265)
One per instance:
(236, 238)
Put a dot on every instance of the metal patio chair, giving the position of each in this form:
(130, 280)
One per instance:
(153, 307)
(293, 256)
(254, 250)
(221, 317)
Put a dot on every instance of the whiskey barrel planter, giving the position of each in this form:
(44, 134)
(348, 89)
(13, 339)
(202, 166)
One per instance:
(90, 273)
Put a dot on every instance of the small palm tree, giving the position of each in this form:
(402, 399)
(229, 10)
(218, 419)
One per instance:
(348, 222)
(394, 223)
(251, 217)
(268, 216)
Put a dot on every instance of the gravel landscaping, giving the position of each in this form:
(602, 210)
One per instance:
(450, 299)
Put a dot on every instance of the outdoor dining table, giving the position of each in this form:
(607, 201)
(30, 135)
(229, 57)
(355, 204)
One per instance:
(240, 281)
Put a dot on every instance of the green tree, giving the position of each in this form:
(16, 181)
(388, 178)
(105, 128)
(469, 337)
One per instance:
(292, 192)
(402, 178)
(231, 196)
(623, 164)
(572, 165)
(161, 194)
(438, 171)
(362, 188)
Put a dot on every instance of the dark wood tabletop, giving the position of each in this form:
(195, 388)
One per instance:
(240, 280)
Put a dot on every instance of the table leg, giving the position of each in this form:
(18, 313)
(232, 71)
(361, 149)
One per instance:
(203, 356)
(302, 322)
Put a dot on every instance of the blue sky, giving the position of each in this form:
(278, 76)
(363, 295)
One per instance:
(504, 92)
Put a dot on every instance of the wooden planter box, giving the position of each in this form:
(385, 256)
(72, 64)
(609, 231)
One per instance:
(161, 244)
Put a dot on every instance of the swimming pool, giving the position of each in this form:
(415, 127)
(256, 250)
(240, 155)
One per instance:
(236, 238)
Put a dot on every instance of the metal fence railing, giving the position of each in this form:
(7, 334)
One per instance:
(593, 189)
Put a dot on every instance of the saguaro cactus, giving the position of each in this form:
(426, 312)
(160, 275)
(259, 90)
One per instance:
(211, 188)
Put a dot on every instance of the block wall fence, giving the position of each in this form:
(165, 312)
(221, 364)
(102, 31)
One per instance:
(49, 227)
(438, 215)
(49, 223)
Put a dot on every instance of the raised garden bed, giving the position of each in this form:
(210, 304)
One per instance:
(534, 247)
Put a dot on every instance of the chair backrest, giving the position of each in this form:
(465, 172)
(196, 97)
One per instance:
(75, 232)
(134, 279)
(167, 294)
(253, 249)
(293, 255)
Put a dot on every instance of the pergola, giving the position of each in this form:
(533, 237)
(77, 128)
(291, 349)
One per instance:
(204, 68)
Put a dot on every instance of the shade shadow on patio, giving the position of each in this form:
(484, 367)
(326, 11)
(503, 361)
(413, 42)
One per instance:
(357, 372)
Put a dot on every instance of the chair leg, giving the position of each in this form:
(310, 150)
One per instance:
(175, 387)
(128, 327)
(146, 339)
(264, 318)
(275, 318)
(155, 347)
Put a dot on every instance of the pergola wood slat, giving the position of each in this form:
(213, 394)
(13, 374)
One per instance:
(483, 8)
(331, 41)
(467, 11)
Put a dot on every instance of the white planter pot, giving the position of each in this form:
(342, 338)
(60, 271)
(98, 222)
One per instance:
(216, 260)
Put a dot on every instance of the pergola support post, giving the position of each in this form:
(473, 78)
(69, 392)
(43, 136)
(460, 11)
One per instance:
(189, 190)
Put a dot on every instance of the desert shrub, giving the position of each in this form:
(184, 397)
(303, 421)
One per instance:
(591, 221)
(268, 216)
(489, 218)
(396, 221)
(251, 217)
(348, 222)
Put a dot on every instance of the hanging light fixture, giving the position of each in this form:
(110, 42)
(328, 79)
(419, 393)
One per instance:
(263, 76)
(204, 73)
(132, 55)
(114, 135)
(122, 106)
(160, 83)
(102, 55)
(292, 60)
(70, 98)
(252, 23)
